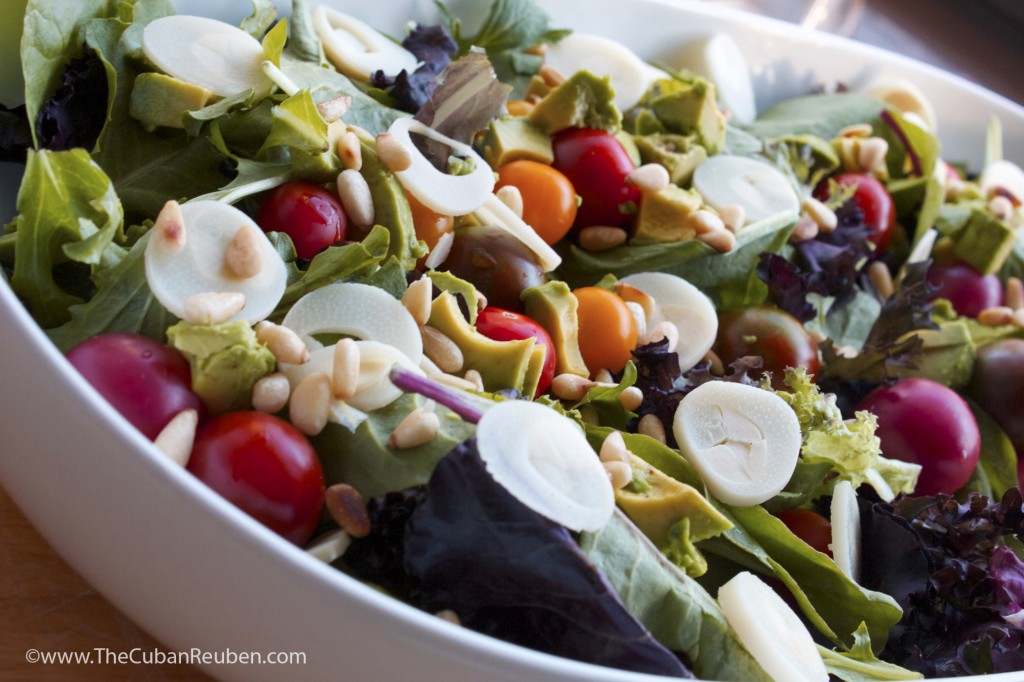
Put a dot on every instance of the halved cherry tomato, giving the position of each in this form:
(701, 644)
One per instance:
(607, 330)
(873, 199)
(505, 325)
(809, 526)
(597, 165)
(429, 225)
(774, 335)
(549, 199)
(308, 213)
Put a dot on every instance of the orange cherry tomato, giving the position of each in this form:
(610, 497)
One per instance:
(549, 199)
(430, 226)
(607, 329)
(811, 527)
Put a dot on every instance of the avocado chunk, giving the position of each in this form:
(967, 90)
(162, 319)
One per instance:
(512, 139)
(502, 364)
(680, 154)
(160, 100)
(553, 307)
(537, 88)
(446, 281)
(226, 362)
(582, 101)
(391, 208)
(688, 107)
(662, 215)
(629, 144)
(985, 242)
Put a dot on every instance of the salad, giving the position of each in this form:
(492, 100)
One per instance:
(577, 351)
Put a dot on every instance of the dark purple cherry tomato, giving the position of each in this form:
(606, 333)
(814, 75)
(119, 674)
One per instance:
(998, 387)
(504, 325)
(308, 213)
(774, 335)
(147, 382)
(873, 199)
(969, 291)
(597, 165)
(499, 265)
(809, 526)
(924, 422)
(265, 467)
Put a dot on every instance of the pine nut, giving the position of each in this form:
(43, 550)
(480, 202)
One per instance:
(519, 107)
(393, 154)
(650, 426)
(704, 221)
(552, 76)
(650, 177)
(848, 351)
(453, 381)
(821, 214)
(871, 154)
(638, 317)
(418, 427)
(734, 217)
(603, 376)
(805, 230)
(169, 228)
(348, 510)
(715, 364)
(570, 386)
(1014, 296)
(481, 300)
(473, 377)
(417, 299)
(631, 398)
(1018, 318)
(284, 343)
(345, 374)
(511, 197)
(243, 258)
(722, 240)
(444, 352)
(538, 50)
(210, 308)
(350, 150)
(856, 130)
(601, 238)
(439, 254)
(1001, 207)
(356, 198)
(333, 109)
(619, 473)
(362, 133)
(613, 449)
(270, 393)
(996, 316)
(449, 615)
(329, 547)
(631, 294)
(310, 404)
(176, 438)
(881, 280)
(664, 330)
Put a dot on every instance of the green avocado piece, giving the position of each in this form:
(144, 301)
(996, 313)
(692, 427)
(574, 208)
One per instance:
(629, 144)
(502, 364)
(688, 107)
(512, 139)
(947, 356)
(582, 101)
(446, 281)
(662, 215)
(553, 307)
(160, 100)
(661, 501)
(537, 88)
(226, 362)
(391, 208)
(985, 242)
(680, 154)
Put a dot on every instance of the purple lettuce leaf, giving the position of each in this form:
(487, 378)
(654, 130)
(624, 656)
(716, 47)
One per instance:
(1008, 576)
(74, 115)
(434, 47)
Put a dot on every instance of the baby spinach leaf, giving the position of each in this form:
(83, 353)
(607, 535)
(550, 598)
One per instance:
(263, 15)
(860, 664)
(304, 43)
(820, 115)
(998, 461)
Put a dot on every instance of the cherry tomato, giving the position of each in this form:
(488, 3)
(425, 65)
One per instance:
(922, 421)
(430, 226)
(597, 165)
(505, 325)
(499, 265)
(873, 199)
(607, 330)
(969, 291)
(997, 385)
(308, 213)
(809, 526)
(549, 199)
(265, 467)
(147, 382)
(774, 335)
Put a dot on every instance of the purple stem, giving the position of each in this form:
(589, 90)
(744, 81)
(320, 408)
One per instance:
(458, 402)
(915, 160)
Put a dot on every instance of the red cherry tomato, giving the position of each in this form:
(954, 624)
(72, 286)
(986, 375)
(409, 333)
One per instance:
(607, 330)
(265, 467)
(809, 526)
(924, 422)
(504, 325)
(774, 335)
(873, 199)
(549, 199)
(308, 213)
(597, 165)
(147, 382)
(969, 291)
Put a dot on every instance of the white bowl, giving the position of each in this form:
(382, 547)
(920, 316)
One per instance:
(197, 573)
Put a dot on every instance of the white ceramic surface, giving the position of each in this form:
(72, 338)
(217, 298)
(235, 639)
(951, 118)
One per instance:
(196, 572)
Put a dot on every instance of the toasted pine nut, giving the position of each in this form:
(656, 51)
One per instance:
(650, 177)
(209, 308)
(348, 510)
(717, 367)
(439, 253)
(722, 241)
(601, 237)
(270, 393)
(805, 230)
(1014, 296)
(603, 376)
(631, 294)
(1018, 317)
(821, 214)
(474, 378)
(453, 381)
(631, 398)
(169, 228)
(613, 449)
(511, 197)
(333, 109)
(361, 133)
(418, 427)
(330, 546)
(734, 217)
(243, 257)
(393, 154)
(856, 130)
(619, 473)
(444, 352)
(848, 351)
(449, 615)
(355, 196)
(345, 374)
(570, 386)
(176, 438)
(284, 343)
(417, 298)
(1001, 207)
(881, 279)
(650, 426)
(704, 221)
(310, 404)
(996, 316)
(664, 330)
(552, 76)
(538, 50)
(519, 107)
(871, 154)
(350, 150)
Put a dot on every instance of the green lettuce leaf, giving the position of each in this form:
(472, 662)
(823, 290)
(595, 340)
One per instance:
(297, 126)
(820, 115)
(304, 43)
(998, 461)
(860, 664)
(274, 42)
(262, 17)
(604, 400)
